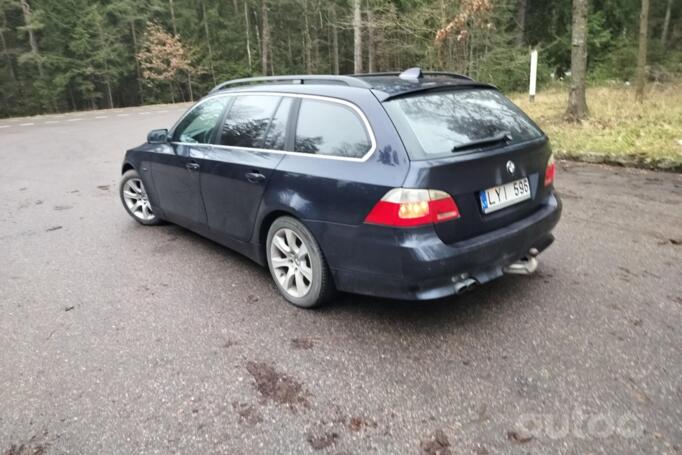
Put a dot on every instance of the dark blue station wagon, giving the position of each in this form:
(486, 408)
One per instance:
(409, 186)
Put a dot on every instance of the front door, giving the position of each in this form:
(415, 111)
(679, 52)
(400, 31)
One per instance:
(177, 175)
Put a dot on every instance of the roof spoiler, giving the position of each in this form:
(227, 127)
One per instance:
(415, 74)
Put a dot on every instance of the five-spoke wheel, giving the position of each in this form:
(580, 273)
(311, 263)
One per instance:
(135, 199)
(291, 262)
(297, 264)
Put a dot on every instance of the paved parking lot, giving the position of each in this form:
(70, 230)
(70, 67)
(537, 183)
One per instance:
(116, 338)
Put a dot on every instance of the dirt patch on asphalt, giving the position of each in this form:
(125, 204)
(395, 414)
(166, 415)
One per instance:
(358, 423)
(277, 386)
(32, 447)
(302, 343)
(25, 450)
(437, 444)
(519, 437)
(247, 413)
(322, 441)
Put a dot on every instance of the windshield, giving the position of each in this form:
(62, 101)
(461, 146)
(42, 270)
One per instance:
(438, 124)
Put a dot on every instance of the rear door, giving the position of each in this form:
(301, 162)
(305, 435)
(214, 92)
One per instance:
(236, 170)
(479, 147)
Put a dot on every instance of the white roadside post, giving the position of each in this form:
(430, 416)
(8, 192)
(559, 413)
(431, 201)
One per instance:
(533, 74)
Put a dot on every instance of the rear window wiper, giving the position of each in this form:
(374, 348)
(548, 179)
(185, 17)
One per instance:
(504, 136)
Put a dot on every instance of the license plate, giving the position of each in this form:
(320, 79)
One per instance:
(502, 196)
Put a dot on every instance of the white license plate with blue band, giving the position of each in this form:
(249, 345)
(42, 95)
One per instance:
(502, 196)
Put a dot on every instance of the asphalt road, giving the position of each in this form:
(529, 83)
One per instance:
(117, 338)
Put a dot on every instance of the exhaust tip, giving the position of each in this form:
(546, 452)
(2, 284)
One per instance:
(465, 285)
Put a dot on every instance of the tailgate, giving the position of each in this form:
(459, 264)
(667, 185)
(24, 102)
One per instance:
(465, 141)
(465, 176)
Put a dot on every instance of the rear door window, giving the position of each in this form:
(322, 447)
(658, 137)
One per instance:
(434, 124)
(329, 128)
(276, 135)
(247, 122)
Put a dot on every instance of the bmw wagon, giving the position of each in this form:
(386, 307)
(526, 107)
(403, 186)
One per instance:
(414, 185)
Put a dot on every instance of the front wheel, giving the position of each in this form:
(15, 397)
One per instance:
(297, 264)
(135, 199)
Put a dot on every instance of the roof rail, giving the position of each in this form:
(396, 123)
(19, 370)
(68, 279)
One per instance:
(424, 73)
(296, 79)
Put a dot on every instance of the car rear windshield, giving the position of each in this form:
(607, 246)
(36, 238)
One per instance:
(438, 124)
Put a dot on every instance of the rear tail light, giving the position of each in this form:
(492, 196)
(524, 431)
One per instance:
(403, 207)
(550, 172)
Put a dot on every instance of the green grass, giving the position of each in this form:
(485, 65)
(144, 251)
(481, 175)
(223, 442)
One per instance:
(618, 130)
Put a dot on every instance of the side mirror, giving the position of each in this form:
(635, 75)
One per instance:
(157, 136)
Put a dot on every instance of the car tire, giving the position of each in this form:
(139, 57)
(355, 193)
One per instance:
(135, 200)
(297, 264)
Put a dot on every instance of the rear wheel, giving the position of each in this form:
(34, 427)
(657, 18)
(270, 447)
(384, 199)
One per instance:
(135, 199)
(297, 264)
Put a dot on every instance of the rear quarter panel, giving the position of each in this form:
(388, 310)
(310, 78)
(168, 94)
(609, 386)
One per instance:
(324, 192)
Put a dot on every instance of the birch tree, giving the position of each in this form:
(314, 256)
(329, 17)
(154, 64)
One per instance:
(357, 37)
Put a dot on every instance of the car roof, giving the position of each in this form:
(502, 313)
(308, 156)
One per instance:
(384, 85)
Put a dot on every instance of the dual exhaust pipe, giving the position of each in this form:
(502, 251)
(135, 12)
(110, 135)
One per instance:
(527, 265)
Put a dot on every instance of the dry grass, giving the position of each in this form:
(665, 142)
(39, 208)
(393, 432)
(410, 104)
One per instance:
(618, 130)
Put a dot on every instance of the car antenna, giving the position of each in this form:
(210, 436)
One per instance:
(412, 74)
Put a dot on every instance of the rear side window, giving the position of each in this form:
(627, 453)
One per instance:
(328, 128)
(198, 126)
(434, 124)
(247, 121)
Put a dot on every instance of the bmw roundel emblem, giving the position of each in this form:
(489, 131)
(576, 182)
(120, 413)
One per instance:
(511, 167)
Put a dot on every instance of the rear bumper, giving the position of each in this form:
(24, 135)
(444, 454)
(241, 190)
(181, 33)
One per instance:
(415, 264)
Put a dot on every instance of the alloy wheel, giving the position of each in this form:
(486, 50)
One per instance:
(136, 199)
(290, 261)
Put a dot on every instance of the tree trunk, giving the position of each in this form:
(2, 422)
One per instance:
(133, 32)
(335, 39)
(443, 48)
(265, 37)
(357, 38)
(520, 17)
(189, 85)
(666, 25)
(641, 57)
(208, 42)
(371, 45)
(107, 79)
(172, 11)
(248, 34)
(256, 29)
(577, 105)
(307, 42)
(33, 43)
(5, 51)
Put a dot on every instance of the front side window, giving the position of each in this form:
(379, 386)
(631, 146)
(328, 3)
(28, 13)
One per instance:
(247, 122)
(446, 122)
(327, 128)
(198, 126)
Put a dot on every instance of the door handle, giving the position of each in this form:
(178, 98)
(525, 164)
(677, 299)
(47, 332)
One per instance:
(192, 166)
(255, 177)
